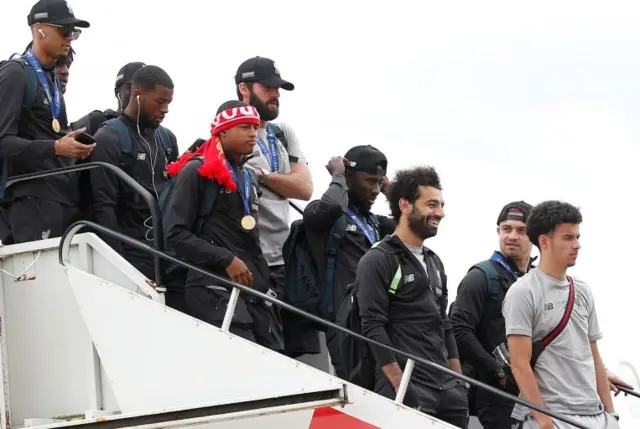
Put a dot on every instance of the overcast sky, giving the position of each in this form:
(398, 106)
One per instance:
(507, 101)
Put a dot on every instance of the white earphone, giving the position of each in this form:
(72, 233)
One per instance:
(41, 32)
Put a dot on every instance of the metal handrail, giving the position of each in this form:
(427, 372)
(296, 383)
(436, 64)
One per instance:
(64, 259)
(158, 239)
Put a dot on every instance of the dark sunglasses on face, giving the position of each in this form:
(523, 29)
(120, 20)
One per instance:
(67, 30)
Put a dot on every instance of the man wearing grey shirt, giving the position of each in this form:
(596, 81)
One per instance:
(281, 166)
(570, 376)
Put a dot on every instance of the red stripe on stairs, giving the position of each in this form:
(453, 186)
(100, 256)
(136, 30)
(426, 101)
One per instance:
(330, 418)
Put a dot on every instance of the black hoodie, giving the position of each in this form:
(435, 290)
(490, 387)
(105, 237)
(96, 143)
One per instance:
(414, 317)
(115, 204)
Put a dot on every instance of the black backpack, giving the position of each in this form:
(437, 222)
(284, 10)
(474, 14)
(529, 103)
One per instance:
(356, 355)
(308, 286)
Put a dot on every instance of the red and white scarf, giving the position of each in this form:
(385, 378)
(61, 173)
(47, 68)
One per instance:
(214, 162)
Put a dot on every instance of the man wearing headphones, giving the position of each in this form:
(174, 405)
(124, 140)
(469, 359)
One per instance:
(142, 148)
(96, 118)
(33, 131)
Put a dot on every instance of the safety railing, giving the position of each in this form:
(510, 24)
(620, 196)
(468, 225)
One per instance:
(158, 239)
(64, 258)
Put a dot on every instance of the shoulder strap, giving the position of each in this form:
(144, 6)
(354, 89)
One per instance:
(165, 140)
(539, 346)
(565, 317)
(31, 87)
(333, 244)
(122, 130)
(494, 280)
(208, 196)
(397, 276)
(279, 135)
(395, 282)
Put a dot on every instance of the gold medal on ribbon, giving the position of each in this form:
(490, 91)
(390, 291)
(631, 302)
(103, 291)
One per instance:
(248, 222)
(55, 125)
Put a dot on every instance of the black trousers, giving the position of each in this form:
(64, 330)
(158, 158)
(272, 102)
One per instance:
(29, 219)
(251, 320)
(448, 405)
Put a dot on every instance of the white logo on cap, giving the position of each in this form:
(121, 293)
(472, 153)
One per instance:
(69, 7)
(275, 69)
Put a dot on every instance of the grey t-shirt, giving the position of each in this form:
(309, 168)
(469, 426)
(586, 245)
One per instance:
(273, 221)
(565, 370)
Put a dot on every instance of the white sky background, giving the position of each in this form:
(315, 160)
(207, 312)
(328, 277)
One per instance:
(508, 101)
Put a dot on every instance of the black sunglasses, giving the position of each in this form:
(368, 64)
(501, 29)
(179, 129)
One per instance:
(67, 30)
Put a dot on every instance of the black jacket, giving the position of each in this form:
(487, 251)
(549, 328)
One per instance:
(116, 205)
(221, 237)
(27, 139)
(94, 120)
(319, 217)
(414, 318)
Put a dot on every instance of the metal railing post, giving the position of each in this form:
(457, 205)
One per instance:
(404, 382)
(231, 309)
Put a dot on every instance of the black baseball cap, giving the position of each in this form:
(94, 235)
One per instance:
(517, 210)
(55, 12)
(263, 70)
(125, 75)
(366, 158)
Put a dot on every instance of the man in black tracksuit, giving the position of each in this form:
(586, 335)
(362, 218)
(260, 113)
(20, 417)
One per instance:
(401, 289)
(476, 314)
(223, 238)
(142, 148)
(357, 179)
(92, 122)
(33, 132)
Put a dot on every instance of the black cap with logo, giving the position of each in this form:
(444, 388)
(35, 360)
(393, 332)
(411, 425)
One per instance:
(366, 158)
(125, 75)
(55, 12)
(263, 70)
(517, 210)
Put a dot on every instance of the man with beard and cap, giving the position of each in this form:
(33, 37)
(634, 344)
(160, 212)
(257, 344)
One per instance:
(210, 220)
(401, 290)
(142, 148)
(281, 167)
(476, 314)
(357, 180)
(33, 131)
(96, 118)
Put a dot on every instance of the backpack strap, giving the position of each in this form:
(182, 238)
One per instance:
(279, 135)
(494, 279)
(397, 277)
(539, 346)
(165, 141)
(331, 251)
(31, 87)
(122, 130)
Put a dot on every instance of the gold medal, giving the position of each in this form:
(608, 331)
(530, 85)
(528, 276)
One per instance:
(248, 222)
(55, 125)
